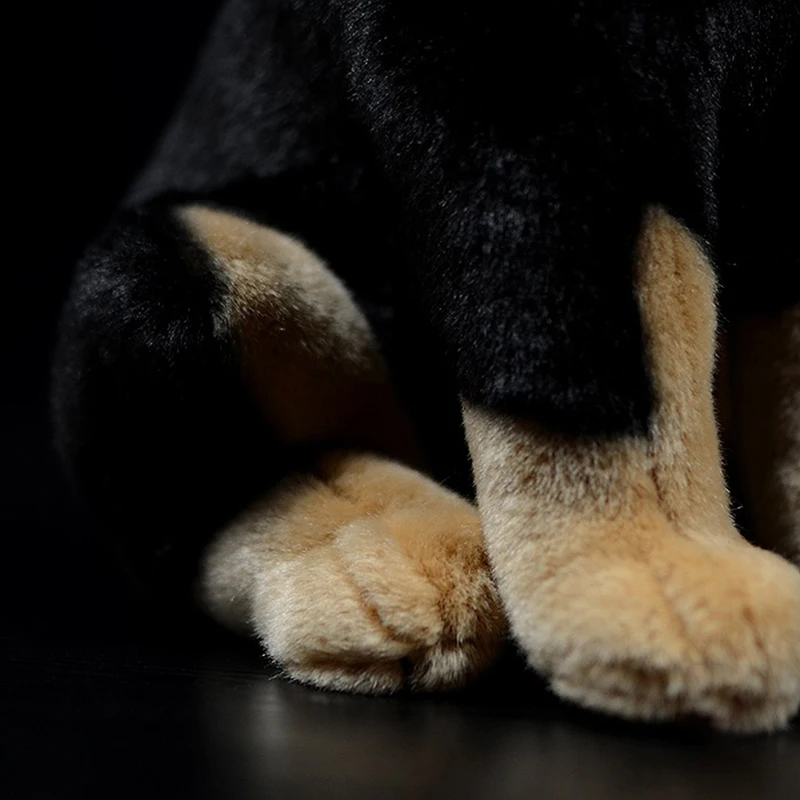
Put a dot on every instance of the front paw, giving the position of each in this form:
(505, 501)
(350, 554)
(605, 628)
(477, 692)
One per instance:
(659, 625)
(361, 614)
(364, 577)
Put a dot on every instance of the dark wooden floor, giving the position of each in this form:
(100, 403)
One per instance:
(209, 719)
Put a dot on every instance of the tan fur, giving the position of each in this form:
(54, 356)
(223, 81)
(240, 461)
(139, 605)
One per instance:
(676, 292)
(307, 350)
(622, 574)
(764, 387)
(362, 576)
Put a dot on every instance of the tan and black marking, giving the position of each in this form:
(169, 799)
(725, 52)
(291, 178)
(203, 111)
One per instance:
(222, 397)
(306, 350)
(617, 561)
(355, 572)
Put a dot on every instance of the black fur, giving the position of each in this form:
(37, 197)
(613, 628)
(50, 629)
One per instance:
(477, 175)
(151, 416)
(519, 146)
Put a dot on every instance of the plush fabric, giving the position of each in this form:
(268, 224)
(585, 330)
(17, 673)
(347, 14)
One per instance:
(370, 216)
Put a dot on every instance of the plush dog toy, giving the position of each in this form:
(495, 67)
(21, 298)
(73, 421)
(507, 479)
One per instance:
(388, 250)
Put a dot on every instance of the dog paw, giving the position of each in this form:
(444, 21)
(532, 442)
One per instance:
(358, 614)
(668, 627)
(368, 577)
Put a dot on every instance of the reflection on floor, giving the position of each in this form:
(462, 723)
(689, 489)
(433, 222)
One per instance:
(204, 716)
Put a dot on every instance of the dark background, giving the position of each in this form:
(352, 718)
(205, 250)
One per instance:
(101, 79)
(104, 695)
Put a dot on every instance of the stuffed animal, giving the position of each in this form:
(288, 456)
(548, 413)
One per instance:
(423, 328)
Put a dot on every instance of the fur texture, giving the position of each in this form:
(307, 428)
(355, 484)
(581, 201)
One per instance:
(361, 575)
(308, 353)
(508, 204)
(144, 361)
(623, 576)
(408, 120)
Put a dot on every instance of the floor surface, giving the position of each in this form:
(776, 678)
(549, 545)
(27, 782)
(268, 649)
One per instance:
(210, 720)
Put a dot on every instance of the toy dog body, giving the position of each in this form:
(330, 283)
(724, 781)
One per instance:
(371, 222)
